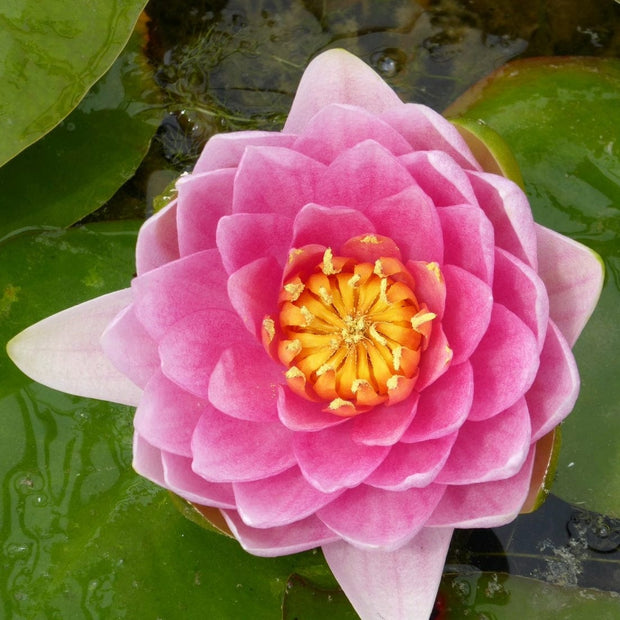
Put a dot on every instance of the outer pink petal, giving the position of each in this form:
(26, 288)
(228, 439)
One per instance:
(371, 173)
(253, 291)
(412, 464)
(505, 364)
(167, 416)
(372, 518)
(180, 479)
(159, 300)
(202, 200)
(330, 460)
(244, 237)
(435, 360)
(410, 219)
(63, 351)
(396, 585)
(193, 345)
(337, 128)
(157, 241)
(469, 241)
(329, 226)
(336, 76)
(275, 180)
(384, 426)
(284, 540)
(518, 287)
(573, 275)
(440, 177)
(427, 130)
(299, 414)
(147, 460)
(229, 450)
(279, 500)
(225, 150)
(556, 387)
(127, 345)
(244, 383)
(494, 449)
(469, 302)
(487, 504)
(507, 207)
(443, 406)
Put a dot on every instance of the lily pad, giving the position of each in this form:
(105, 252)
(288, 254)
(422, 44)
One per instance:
(561, 118)
(79, 165)
(51, 53)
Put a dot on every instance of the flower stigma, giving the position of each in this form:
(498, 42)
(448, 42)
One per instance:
(350, 332)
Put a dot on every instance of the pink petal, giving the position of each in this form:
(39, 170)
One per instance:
(244, 383)
(64, 351)
(299, 414)
(573, 275)
(395, 585)
(330, 460)
(253, 290)
(430, 286)
(244, 237)
(372, 518)
(469, 241)
(443, 406)
(180, 479)
(229, 450)
(192, 347)
(507, 207)
(410, 219)
(147, 461)
(376, 173)
(159, 300)
(435, 361)
(167, 416)
(427, 130)
(556, 387)
(517, 287)
(384, 426)
(279, 500)
(284, 540)
(440, 177)
(486, 504)
(157, 240)
(469, 302)
(336, 76)
(412, 464)
(338, 127)
(225, 150)
(329, 226)
(203, 199)
(505, 364)
(275, 180)
(493, 449)
(127, 345)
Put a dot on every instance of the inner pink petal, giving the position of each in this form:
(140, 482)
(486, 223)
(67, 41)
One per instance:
(372, 518)
(430, 286)
(275, 180)
(493, 449)
(229, 450)
(157, 241)
(384, 426)
(436, 360)
(300, 414)
(330, 460)
(505, 364)
(244, 383)
(202, 200)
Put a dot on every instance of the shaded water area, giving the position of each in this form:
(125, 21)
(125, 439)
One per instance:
(224, 66)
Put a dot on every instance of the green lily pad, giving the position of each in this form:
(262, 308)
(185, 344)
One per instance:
(79, 165)
(561, 118)
(51, 53)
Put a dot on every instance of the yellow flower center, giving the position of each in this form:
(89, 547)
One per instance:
(351, 333)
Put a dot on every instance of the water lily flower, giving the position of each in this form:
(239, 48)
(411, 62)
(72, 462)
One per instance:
(346, 334)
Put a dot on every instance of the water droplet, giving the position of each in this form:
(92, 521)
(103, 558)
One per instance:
(388, 61)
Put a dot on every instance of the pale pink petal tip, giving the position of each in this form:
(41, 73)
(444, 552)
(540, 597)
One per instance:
(399, 585)
(63, 351)
(336, 76)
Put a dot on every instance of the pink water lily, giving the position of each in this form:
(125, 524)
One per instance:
(345, 334)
